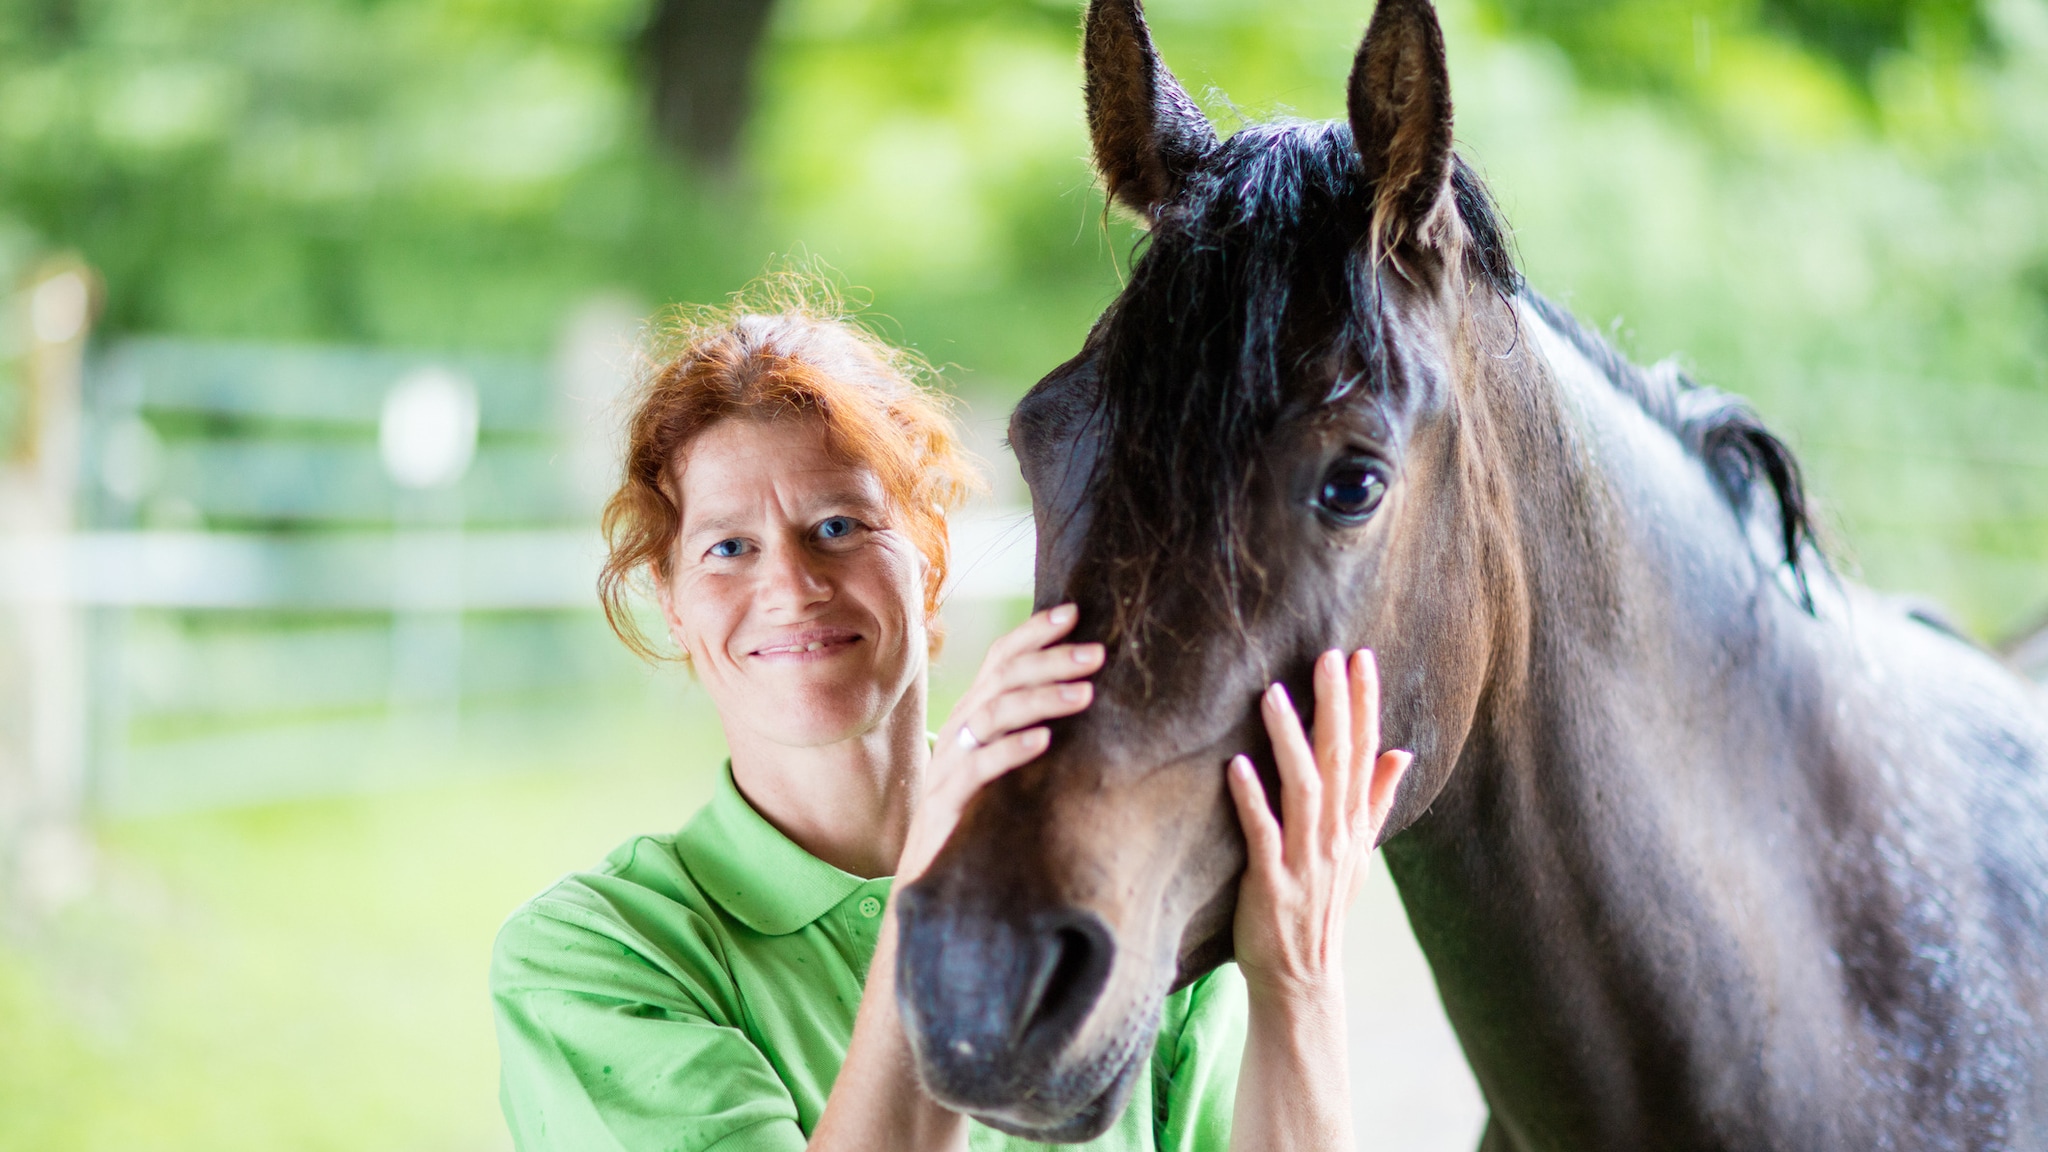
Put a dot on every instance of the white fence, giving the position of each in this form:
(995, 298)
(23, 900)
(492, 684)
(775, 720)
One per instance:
(259, 571)
(387, 571)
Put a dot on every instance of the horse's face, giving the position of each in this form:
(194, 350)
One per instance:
(1258, 455)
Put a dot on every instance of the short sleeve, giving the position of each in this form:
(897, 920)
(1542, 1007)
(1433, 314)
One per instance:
(1196, 1086)
(600, 1049)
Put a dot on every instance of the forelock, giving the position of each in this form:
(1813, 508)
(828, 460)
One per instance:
(1256, 271)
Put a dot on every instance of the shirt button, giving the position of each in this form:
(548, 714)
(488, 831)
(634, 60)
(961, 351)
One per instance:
(870, 907)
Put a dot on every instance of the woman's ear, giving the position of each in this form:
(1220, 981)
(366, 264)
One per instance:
(664, 597)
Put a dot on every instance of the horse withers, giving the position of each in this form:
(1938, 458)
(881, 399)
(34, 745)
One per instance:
(1706, 846)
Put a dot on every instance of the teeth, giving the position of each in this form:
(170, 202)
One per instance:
(790, 649)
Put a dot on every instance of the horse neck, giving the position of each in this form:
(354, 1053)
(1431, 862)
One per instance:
(1582, 809)
(1630, 577)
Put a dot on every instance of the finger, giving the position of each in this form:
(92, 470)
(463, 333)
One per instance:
(974, 768)
(952, 758)
(1255, 816)
(1332, 739)
(1047, 666)
(1365, 724)
(1300, 788)
(1038, 630)
(1005, 755)
(1386, 782)
(1021, 708)
(956, 775)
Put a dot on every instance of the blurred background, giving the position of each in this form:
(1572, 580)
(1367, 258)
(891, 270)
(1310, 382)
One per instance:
(313, 316)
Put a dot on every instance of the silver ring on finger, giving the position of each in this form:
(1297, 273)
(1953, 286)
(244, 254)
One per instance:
(966, 738)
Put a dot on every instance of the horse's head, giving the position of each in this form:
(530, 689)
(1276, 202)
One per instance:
(1263, 451)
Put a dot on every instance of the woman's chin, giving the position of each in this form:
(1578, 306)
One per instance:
(814, 704)
(792, 722)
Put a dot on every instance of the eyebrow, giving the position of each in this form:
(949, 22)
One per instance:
(849, 498)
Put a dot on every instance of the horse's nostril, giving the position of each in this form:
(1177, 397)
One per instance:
(991, 1003)
(1060, 967)
(1072, 968)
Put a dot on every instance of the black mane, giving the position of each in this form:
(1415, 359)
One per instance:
(1723, 431)
(1258, 268)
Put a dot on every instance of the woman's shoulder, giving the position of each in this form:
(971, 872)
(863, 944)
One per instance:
(637, 911)
(641, 876)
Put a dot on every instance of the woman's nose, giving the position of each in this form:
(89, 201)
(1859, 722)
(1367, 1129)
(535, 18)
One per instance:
(794, 578)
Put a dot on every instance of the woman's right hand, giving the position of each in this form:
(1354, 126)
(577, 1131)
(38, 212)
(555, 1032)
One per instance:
(1026, 679)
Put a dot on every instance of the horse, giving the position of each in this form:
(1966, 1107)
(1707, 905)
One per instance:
(1707, 846)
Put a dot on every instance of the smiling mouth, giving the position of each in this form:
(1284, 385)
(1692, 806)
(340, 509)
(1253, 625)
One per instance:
(809, 645)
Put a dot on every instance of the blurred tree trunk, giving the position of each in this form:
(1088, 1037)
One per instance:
(700, 54)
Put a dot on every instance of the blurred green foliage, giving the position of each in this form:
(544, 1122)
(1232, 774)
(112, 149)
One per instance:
(1872, 283)
(1842, 217)
(449, 172)
(1845, 217)
(1672, 45)
(460, 172)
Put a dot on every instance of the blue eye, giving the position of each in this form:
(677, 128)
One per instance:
(837, 526)
(727, 549)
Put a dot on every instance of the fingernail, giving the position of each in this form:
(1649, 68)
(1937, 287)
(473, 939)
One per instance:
(1087, 653)
(1275, 694)
(1064, 614)
(1037, 738)
(1074, 693)
(1241, 764)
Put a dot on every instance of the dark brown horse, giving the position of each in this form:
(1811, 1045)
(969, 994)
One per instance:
(1708, 847)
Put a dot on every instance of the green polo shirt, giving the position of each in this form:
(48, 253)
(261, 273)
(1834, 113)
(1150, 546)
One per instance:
(698, 990)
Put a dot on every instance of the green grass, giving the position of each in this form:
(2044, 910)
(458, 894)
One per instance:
(310, 975)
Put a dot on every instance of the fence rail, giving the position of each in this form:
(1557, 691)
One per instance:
(242, 579)
(397, 570)
(247, 598)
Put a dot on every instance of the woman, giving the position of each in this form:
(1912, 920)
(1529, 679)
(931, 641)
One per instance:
(731, 986)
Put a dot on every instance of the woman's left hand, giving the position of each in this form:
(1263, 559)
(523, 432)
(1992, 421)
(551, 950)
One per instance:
(1336, 789)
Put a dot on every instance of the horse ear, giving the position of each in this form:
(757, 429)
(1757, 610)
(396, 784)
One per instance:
(1148, 135)
(1399, 101)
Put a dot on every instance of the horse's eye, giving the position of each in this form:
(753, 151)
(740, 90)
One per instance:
(1352, 489)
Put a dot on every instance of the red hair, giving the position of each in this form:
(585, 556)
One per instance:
(789, 353)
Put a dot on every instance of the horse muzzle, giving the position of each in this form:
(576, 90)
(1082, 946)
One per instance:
(1014, 1018)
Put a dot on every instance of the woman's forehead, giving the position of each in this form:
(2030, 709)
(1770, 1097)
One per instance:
(740, 461)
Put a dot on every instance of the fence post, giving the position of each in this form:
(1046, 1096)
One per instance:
(47, 858)
(427, 437)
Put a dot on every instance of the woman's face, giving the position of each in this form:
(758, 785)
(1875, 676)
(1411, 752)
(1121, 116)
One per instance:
(800, 605)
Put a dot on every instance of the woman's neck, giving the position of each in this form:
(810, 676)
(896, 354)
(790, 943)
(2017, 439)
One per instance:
(847, 803)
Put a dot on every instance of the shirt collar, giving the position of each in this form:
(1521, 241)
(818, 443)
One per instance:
(755, 872)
